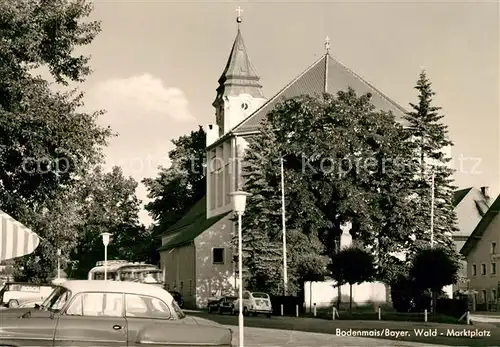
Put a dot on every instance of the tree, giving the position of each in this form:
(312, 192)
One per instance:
(352, 265)
(178, 187)
(44, 139)
(46, 142)
(344, 162)
(109, 205)
(434, 268)
(56, 221)
(431, 139)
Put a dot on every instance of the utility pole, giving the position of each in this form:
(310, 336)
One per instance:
(432, 206)
(283, 220)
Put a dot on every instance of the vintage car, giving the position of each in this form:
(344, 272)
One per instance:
(108, 313)
(224, 304)
(255, 303)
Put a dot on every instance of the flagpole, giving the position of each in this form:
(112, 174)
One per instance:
(285, 274)
(432, 206)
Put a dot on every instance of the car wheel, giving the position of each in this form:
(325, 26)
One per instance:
(13, 303)
(268, 315)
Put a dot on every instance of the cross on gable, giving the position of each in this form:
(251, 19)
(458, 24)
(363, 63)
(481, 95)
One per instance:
(327, 44)
(239, 10)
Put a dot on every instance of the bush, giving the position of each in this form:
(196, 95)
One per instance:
(407, 297)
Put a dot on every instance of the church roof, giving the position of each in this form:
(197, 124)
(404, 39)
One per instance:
(192, 224)
(239, 75)
(326, 75)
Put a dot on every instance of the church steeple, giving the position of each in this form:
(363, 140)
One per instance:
(239, 83)
(239, 75)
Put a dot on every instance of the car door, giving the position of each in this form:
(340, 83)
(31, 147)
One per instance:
(141, 312)
(92, 319)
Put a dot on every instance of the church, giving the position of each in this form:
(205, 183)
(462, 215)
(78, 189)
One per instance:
(197, 253)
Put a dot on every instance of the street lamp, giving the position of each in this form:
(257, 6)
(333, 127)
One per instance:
(239, 202)
(105, 242)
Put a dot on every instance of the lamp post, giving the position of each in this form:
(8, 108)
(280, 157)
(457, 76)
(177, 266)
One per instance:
(239, 202)
(105, 242)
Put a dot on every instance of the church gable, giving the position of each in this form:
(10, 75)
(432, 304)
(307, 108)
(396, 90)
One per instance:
(326, 75)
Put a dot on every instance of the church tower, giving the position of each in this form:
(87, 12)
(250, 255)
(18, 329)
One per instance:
(239, 93)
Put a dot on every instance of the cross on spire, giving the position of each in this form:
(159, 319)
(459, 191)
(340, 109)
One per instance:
(327, 44)
(239, 10)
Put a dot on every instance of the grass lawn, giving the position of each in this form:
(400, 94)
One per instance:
(369, 313)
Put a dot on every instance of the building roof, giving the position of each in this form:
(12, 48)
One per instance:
(481, 227)
(189, 217)
(459, 195)
(190, 226)
(239, 75)
(326, 75)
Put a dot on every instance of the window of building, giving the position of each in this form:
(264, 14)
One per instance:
(227, 183)
(220, 187)
(474, 270)
(493, 248)
(211, 167)
(218, 255)
(190, 292)
(494, 295)
(493, 268)
(483, 295)
(483, 269)
(181, 288)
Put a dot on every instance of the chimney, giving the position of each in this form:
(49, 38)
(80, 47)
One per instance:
(212, 131)
(486, 192)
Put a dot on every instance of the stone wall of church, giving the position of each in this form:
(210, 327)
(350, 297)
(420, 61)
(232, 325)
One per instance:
(178, 265)
(214, 276)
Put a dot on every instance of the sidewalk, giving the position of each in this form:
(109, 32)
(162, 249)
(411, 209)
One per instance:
(261, 337)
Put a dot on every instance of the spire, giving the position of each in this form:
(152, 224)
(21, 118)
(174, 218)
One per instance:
(239, 75)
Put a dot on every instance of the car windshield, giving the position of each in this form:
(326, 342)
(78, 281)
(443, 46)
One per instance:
(56, 300)
(178, 310)
(260, 295)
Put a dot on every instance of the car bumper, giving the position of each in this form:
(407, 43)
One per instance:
(260, 310)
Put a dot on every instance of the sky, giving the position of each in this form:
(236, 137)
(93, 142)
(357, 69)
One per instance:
(156, 66)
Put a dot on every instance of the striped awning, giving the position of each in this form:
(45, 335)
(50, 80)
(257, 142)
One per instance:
(16, 240)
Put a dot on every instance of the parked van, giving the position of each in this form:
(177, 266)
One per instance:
(14, 294)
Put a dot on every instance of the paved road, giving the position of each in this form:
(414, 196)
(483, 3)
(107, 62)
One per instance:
(260, 337)
(386, 330)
